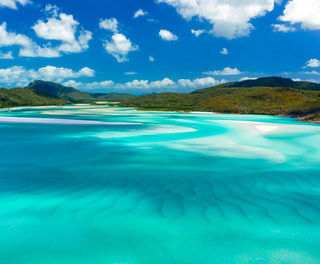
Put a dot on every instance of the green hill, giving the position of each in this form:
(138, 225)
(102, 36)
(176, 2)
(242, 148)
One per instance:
(73, 95)
(25, 97)
(272, 96)
(50, 89)
(268, 82)
(40, 93)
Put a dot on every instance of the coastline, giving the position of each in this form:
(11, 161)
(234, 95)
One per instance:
(297, 119)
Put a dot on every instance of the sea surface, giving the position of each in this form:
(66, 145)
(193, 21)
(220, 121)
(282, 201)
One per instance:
(107, 185)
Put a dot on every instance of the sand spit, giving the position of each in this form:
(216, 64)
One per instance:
(60, 121)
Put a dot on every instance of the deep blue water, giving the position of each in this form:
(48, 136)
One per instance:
(168, 188)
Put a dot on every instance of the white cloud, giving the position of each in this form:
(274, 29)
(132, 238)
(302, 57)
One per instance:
(198, 32)
(312, 63)
(51, 9)
(229, 19)
(311, 73)
(165, 83)
(72, 83)
(100, 85)
(247, 79)
(225, 71)
(135, 84)
(13, 3)
(146, 86)
(304, 12)
(90, 86)
(151, 59)
(198, 83)
(109, 24)
(21, 76)
(283, 28)
(224, 51)
(86, 71)
(140, 13)
(58, 27)
(28, 48)
(167, 35)
(59, 74)
(10, 38)
(130, 73)
(119, 47)
(6, 56)
(64, 28)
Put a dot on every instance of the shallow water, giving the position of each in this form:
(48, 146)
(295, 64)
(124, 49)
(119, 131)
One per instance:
(157, 187)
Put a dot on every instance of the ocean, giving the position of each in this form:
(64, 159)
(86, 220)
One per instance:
(84, 184)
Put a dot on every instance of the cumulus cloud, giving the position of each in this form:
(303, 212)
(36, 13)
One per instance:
(311, 73)
(198, 83)
(224, 51)
(247, 79)
(312, 63)
(59, 74)
(140, 13)
(109, 24)
(119, 46)
(146, 86)
(283, 28)
(64, 28)
(198, 32)
(72, 83)
(12, 4)
(165, 83)
(99, 85)
(303, 12)
(19, 75)
(167, 35)
(229, 19)
(130, 73)
(151, 59)
(58, 27)
(10, 38)
(6, 56)
(28, 48)
(225, 71)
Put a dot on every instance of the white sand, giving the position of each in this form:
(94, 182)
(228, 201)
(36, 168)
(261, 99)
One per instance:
(161, 130)
(270, 128)
(225, 146)
(59, 121)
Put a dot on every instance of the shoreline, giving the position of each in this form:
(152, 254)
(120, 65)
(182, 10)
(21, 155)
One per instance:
(297, 119)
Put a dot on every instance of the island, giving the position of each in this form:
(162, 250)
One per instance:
(264, 96)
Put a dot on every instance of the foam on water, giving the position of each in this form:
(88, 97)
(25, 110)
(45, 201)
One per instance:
(179, 188)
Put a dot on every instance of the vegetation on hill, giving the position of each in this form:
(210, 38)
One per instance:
(273, 96)
(301, 99)
(274, 82)
(73, 95)
(40, 93)
(50, 89)
(25, 97)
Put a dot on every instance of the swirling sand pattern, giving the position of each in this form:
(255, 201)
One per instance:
(174, 188)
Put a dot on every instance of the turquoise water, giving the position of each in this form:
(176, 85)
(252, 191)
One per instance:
(165, 188)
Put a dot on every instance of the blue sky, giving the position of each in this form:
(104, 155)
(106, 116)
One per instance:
(146, 46)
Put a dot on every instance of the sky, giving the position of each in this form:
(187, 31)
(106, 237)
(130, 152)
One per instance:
(151, 46)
